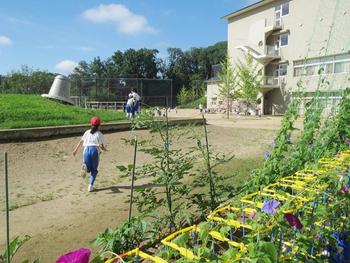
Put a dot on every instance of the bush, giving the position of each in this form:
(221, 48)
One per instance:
(185, 96)
(194, 104)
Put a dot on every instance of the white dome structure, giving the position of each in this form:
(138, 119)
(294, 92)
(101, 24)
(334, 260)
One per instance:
(60, 90)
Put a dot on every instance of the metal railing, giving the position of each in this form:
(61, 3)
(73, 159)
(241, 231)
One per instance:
(270, 81)
(275, 23)
(272, 51)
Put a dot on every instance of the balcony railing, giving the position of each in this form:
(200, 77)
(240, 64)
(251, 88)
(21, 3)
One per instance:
(270, 81)
(275, 23)
(272, 51)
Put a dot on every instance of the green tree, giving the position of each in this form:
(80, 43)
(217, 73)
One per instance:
(142, 63)
(249, 80)
(97, 68)
(81, 71)
(228, 88)
(27, 81)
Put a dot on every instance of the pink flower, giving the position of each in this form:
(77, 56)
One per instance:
(345, 189)
(253, 214)
(80, 255)
(293, 221)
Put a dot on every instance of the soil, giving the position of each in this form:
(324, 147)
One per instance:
(50, 202)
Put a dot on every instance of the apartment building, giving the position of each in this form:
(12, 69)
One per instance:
(301, 45)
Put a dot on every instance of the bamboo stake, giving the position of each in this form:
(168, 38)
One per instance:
(211, 184)
(7, 210)
(133, 178)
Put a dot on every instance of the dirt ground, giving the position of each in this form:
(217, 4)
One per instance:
(49, 199)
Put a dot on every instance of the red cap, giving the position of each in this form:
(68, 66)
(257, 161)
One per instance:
(95, 121)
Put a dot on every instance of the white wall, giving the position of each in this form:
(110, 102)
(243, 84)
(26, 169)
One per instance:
(212, 92)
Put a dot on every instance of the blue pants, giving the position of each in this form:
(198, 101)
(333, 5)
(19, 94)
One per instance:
(130, 109)
(137, 106)
(91, 159)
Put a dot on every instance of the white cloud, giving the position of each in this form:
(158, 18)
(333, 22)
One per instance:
(127, 21)
(66, 66)
(5, 41)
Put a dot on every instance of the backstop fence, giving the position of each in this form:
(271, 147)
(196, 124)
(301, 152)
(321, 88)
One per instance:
(95, 91)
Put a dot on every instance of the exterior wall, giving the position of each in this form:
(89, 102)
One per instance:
(274, 103)
(213, 100)
(311, 33)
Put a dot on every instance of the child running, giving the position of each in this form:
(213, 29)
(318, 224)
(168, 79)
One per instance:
(93, 143)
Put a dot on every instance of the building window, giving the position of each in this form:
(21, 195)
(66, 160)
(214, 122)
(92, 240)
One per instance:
(284, 40)
(310, 70)
(282, 69)
(298, 71)
(282, 10)
(322, 65)
(341, 67)
(285, 9)
(329, 68)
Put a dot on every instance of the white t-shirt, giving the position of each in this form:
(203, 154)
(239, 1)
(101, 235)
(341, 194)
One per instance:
(90, 139)
(131, 102)
(136, 96)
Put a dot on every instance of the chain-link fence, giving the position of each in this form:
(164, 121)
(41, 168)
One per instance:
(153, 92)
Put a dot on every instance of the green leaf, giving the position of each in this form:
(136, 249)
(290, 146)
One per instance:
(97, 259)
(15, 245)
(270, 249)
(121, 168)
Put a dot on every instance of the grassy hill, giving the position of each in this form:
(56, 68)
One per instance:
(24, 111)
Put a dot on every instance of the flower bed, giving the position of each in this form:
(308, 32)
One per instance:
(300, 217)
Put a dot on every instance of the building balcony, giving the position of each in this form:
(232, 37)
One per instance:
(274, 25)
(270, 82)
(270, 53)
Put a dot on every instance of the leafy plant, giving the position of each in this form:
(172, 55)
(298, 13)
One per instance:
(129, 235)
(206, 176)
(168, 169)
(186, 95)
(15, 245)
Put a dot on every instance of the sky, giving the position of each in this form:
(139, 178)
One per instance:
(55, 35)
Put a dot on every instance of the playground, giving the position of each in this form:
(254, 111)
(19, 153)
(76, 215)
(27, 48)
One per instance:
(44, 174)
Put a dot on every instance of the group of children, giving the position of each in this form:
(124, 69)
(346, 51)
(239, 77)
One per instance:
(133, 105)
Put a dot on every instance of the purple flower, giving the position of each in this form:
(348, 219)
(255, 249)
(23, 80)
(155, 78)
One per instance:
(270, 206)
(273, 144)
(345, 189)
(293, 221)
(267, 154)
(348, 142)
(80, 255)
